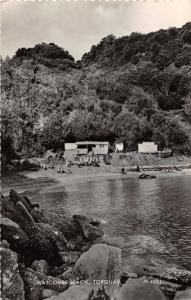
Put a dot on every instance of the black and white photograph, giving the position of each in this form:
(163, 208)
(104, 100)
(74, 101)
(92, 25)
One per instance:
(95, 150)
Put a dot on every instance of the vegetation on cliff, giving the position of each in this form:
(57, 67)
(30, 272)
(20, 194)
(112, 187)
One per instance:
(133, 88)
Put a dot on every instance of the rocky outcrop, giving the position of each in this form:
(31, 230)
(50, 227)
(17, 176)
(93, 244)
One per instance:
(12, 283)
(58, 259)
(140, 288)
(41, 246)
(15, 197)
(65, 225)
(54, 235)
(172, 274)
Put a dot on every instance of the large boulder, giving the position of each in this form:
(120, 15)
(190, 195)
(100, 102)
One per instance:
(40, 266)
(83, 292)
(36, 281)
(183, 295)
(140, 288)
(8, 209)
(4, 244)
(69, 258)
(12, 283)
(73, 293)
(100, 262)
(33, 287)
(12, 232)
(64, 224)
(47, 293)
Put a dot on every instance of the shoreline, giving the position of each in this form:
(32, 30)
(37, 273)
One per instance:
(50, 178)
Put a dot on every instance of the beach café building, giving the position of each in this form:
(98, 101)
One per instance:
(92, 147)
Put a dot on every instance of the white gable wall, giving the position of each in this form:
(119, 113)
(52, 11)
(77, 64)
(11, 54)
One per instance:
(70, 146)
(147, 147)
(119, 146)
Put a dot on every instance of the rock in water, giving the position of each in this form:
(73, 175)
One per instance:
(65, 225)
(140, 288)
(89, 231)
(15, 197)
(100, 262)
(12, 283)
(82, 219)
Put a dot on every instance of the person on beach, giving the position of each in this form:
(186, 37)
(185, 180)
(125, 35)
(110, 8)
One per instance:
(123, 170)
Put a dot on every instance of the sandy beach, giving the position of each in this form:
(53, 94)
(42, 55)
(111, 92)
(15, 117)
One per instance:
(30, 180)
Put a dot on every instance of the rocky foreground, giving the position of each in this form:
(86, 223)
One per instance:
(48, 256)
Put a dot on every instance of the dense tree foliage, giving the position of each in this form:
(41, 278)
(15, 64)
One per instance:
(134, 88)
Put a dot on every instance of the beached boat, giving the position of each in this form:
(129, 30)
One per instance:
(146, 176)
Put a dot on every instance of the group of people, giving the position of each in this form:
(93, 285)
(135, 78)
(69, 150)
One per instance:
(61, 168)
(138, 169)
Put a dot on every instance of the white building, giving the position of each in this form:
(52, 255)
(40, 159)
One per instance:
(147, 147)
(70, 146)
(119, 147)
(97, 148)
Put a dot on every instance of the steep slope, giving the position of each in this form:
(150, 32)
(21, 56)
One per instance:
(133, 88)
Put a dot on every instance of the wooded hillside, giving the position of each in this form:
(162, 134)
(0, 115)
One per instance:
(133, 88)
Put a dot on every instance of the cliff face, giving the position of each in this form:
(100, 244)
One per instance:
(136, 88)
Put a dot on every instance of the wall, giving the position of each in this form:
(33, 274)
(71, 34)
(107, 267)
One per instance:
(100, 149)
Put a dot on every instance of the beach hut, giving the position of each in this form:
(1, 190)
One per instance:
(119, 146)
(148, 147)
(94, 147)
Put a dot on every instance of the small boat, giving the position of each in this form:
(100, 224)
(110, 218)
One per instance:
(146, 176)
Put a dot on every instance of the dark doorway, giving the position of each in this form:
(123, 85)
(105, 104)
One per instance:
(89, 148)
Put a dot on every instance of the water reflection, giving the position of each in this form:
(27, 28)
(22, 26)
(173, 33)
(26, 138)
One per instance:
(151, 216)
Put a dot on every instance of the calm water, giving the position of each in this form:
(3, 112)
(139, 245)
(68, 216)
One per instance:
(142, 216)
